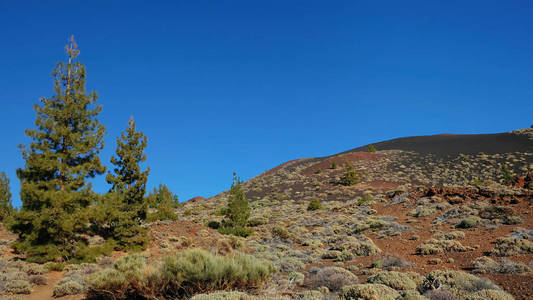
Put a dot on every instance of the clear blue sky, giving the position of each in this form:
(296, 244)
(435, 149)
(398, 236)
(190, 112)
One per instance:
(223, 86)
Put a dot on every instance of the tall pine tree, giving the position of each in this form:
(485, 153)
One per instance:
(59, 160)
(128, 189)
(6, 208)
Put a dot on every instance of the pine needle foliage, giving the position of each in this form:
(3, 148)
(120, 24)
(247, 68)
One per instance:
(238, 210)
(350, 176)
(164, 202)
(124, 208)
(128, 179)
(6, 208)
(63, 154)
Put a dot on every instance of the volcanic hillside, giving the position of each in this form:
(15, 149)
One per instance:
(423, 204)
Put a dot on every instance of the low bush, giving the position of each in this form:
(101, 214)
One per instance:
(38, 280)
(441, 294)
(350, 176)
(396, 280)
(487, 265)
(213, 224)
(388, 262)
(368, 292)
(187, 273)
(18, 287)
(460, 283)
(281, 232)
(54, 266)
(334, 278)
(436, 246)
(224, 296)
(69, 287)
(468, 222)
(509, 246)
(314, 204)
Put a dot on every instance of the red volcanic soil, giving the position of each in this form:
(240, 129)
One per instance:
(196, 199)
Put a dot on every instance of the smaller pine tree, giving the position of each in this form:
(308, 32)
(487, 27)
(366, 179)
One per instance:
(238, 210)
(507, 175)
(163, 201)
(6, 208)
(350, 176)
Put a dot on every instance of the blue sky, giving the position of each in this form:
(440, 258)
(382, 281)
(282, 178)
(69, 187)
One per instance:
(223, 86)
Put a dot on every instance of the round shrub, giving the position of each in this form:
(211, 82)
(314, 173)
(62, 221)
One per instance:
(333, 278)
(18, 287)
(70, 287)
(393, 279)
(368, 291)
(314, 204)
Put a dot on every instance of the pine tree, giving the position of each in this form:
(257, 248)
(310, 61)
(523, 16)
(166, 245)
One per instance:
(238, 206)
(164, 201)
(6, 208)
(62, 156)
(120, 213)
(350, 176)
(128, 179)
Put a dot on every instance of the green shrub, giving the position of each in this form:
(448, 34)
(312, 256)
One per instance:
(223, 296)
(54, 266)
(350, 176)
(314, 204)
(366, 198)
(213, 224)
(506, 174)
(371, 149)
(281, 232)
(70, 287)
(198, 271)
(190, 272)
(368, 292)
(237, 231)
(467, 223)
(393, 279)
(296, 277)
(18, 287)
(333, 165)
(86, 253)
(435, 246)
(318, 171)
(33, 269)
(511, 246)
